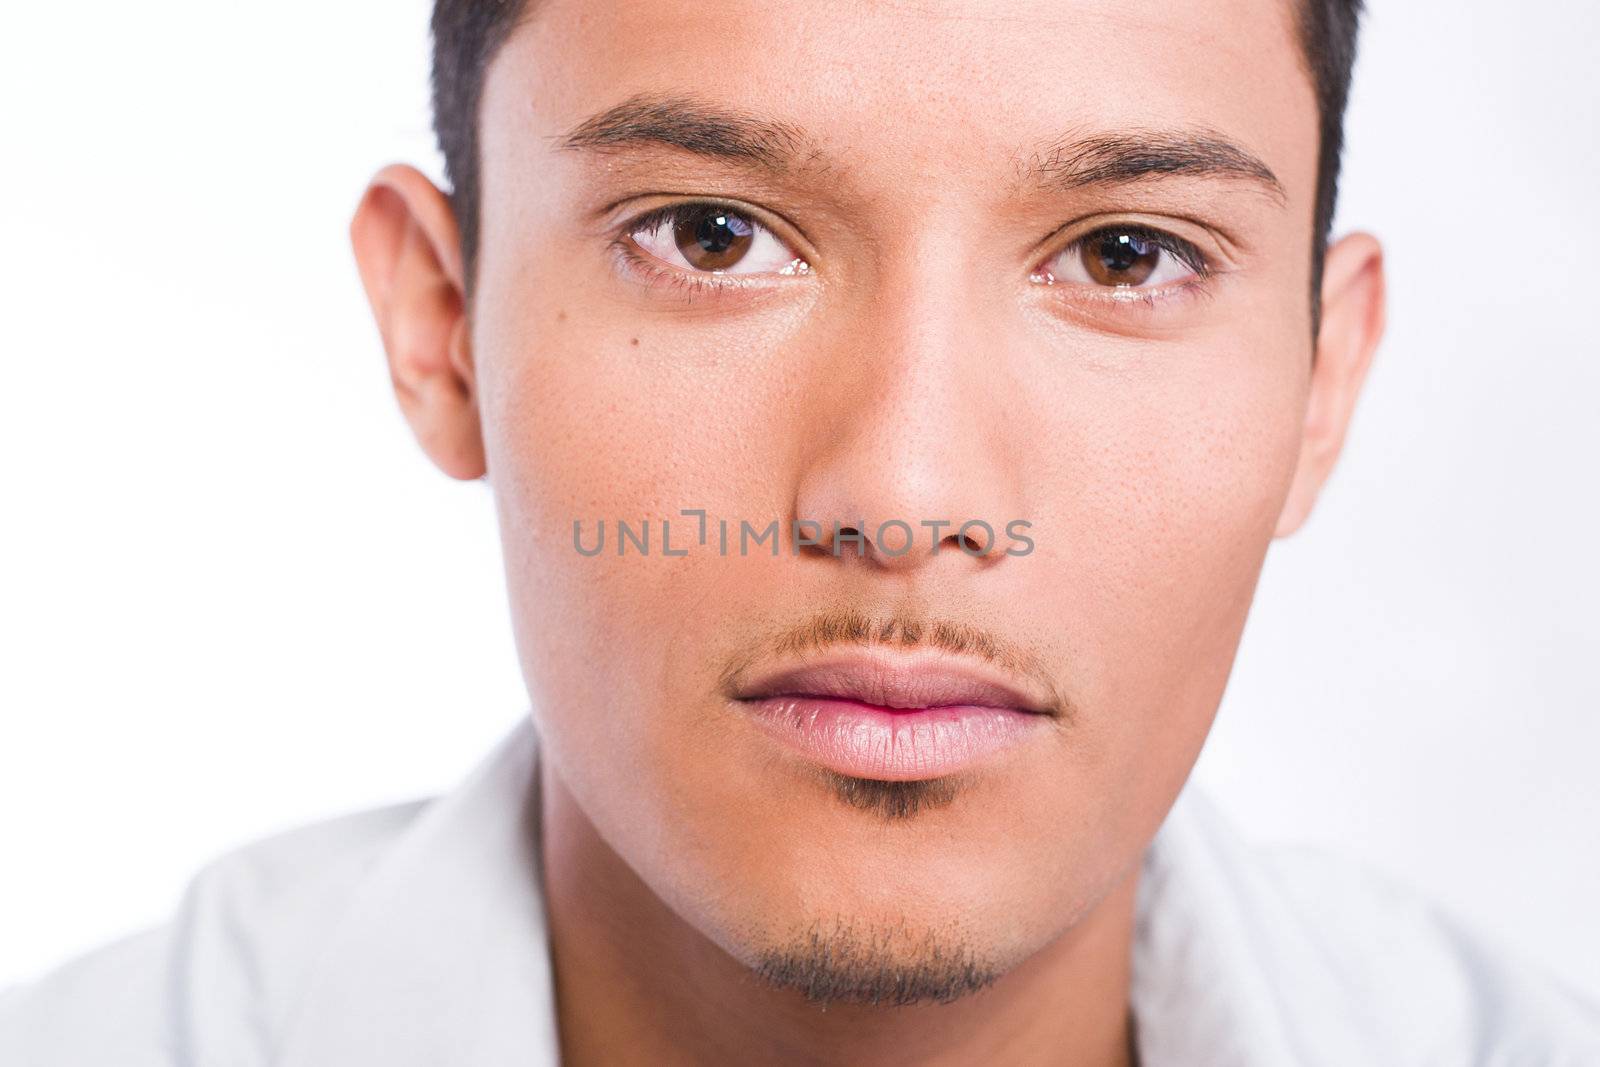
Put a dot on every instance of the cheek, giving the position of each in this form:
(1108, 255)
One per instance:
(1171, 483)
(596, 409)
(585, 426)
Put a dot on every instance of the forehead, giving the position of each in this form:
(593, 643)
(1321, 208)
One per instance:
(939, 91)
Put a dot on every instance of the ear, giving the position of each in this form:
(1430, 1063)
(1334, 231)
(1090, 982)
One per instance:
(408, 250)
(1352, 325)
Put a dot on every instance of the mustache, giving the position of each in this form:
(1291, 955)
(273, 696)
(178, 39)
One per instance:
(849, 627)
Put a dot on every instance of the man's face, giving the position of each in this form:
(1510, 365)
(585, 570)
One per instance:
(986, 326)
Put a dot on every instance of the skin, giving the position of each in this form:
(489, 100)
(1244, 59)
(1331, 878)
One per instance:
(1156, 445)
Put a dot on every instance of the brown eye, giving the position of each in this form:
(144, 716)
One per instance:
(1115, 257)
(1125, 259)
(712, 238)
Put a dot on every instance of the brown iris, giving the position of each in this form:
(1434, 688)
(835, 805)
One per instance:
(712, 238)
(1116, 257)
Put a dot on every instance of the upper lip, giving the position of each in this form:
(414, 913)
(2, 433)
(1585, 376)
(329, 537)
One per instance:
(893, 679)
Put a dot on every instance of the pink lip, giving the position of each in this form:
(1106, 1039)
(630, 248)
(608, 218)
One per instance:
(892, 716)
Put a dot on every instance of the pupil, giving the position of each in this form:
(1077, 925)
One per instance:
(1121, 258)
(1122, 252)
(714, 239)
(716, 233)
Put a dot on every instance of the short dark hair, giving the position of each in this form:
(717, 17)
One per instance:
(1328, 31)
(467, 34)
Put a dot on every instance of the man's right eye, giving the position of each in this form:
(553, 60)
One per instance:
(712, 239)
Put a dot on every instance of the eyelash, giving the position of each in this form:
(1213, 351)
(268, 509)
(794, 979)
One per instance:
(692, 283)
(1184, 252)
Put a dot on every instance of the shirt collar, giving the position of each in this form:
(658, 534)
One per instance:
(443, 957)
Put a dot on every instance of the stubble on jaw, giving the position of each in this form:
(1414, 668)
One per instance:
(876, 966)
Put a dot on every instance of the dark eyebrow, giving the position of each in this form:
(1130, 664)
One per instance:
(1140, 155)
(694, 126)
(719, 132)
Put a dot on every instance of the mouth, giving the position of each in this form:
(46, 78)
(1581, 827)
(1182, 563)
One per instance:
(894, 716)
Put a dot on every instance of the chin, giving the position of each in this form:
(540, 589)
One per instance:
(881, 930)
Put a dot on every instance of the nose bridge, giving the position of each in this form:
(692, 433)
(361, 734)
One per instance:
(913, 428)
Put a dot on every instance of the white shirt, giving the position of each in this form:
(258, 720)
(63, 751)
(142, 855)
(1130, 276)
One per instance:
(415, 935)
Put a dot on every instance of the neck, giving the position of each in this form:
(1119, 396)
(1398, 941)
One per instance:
(635, 983)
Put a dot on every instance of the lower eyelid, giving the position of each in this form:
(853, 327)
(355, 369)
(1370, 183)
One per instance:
(650, 271)
(1152, 300)
(1130, 299)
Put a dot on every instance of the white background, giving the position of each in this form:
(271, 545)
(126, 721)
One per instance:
(235, 597)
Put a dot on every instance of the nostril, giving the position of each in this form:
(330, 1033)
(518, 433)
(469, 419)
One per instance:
(969, 544)
(850, 535)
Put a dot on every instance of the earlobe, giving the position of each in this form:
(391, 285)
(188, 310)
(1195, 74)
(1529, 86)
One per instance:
(1353, 314)
(408, 250)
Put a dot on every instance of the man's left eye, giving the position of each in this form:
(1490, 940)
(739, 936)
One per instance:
(712, 239)
(1126, 258)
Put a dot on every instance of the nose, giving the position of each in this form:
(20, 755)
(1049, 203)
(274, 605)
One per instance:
(913, 461)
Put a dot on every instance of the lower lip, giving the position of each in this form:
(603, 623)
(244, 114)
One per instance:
(867, 741)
